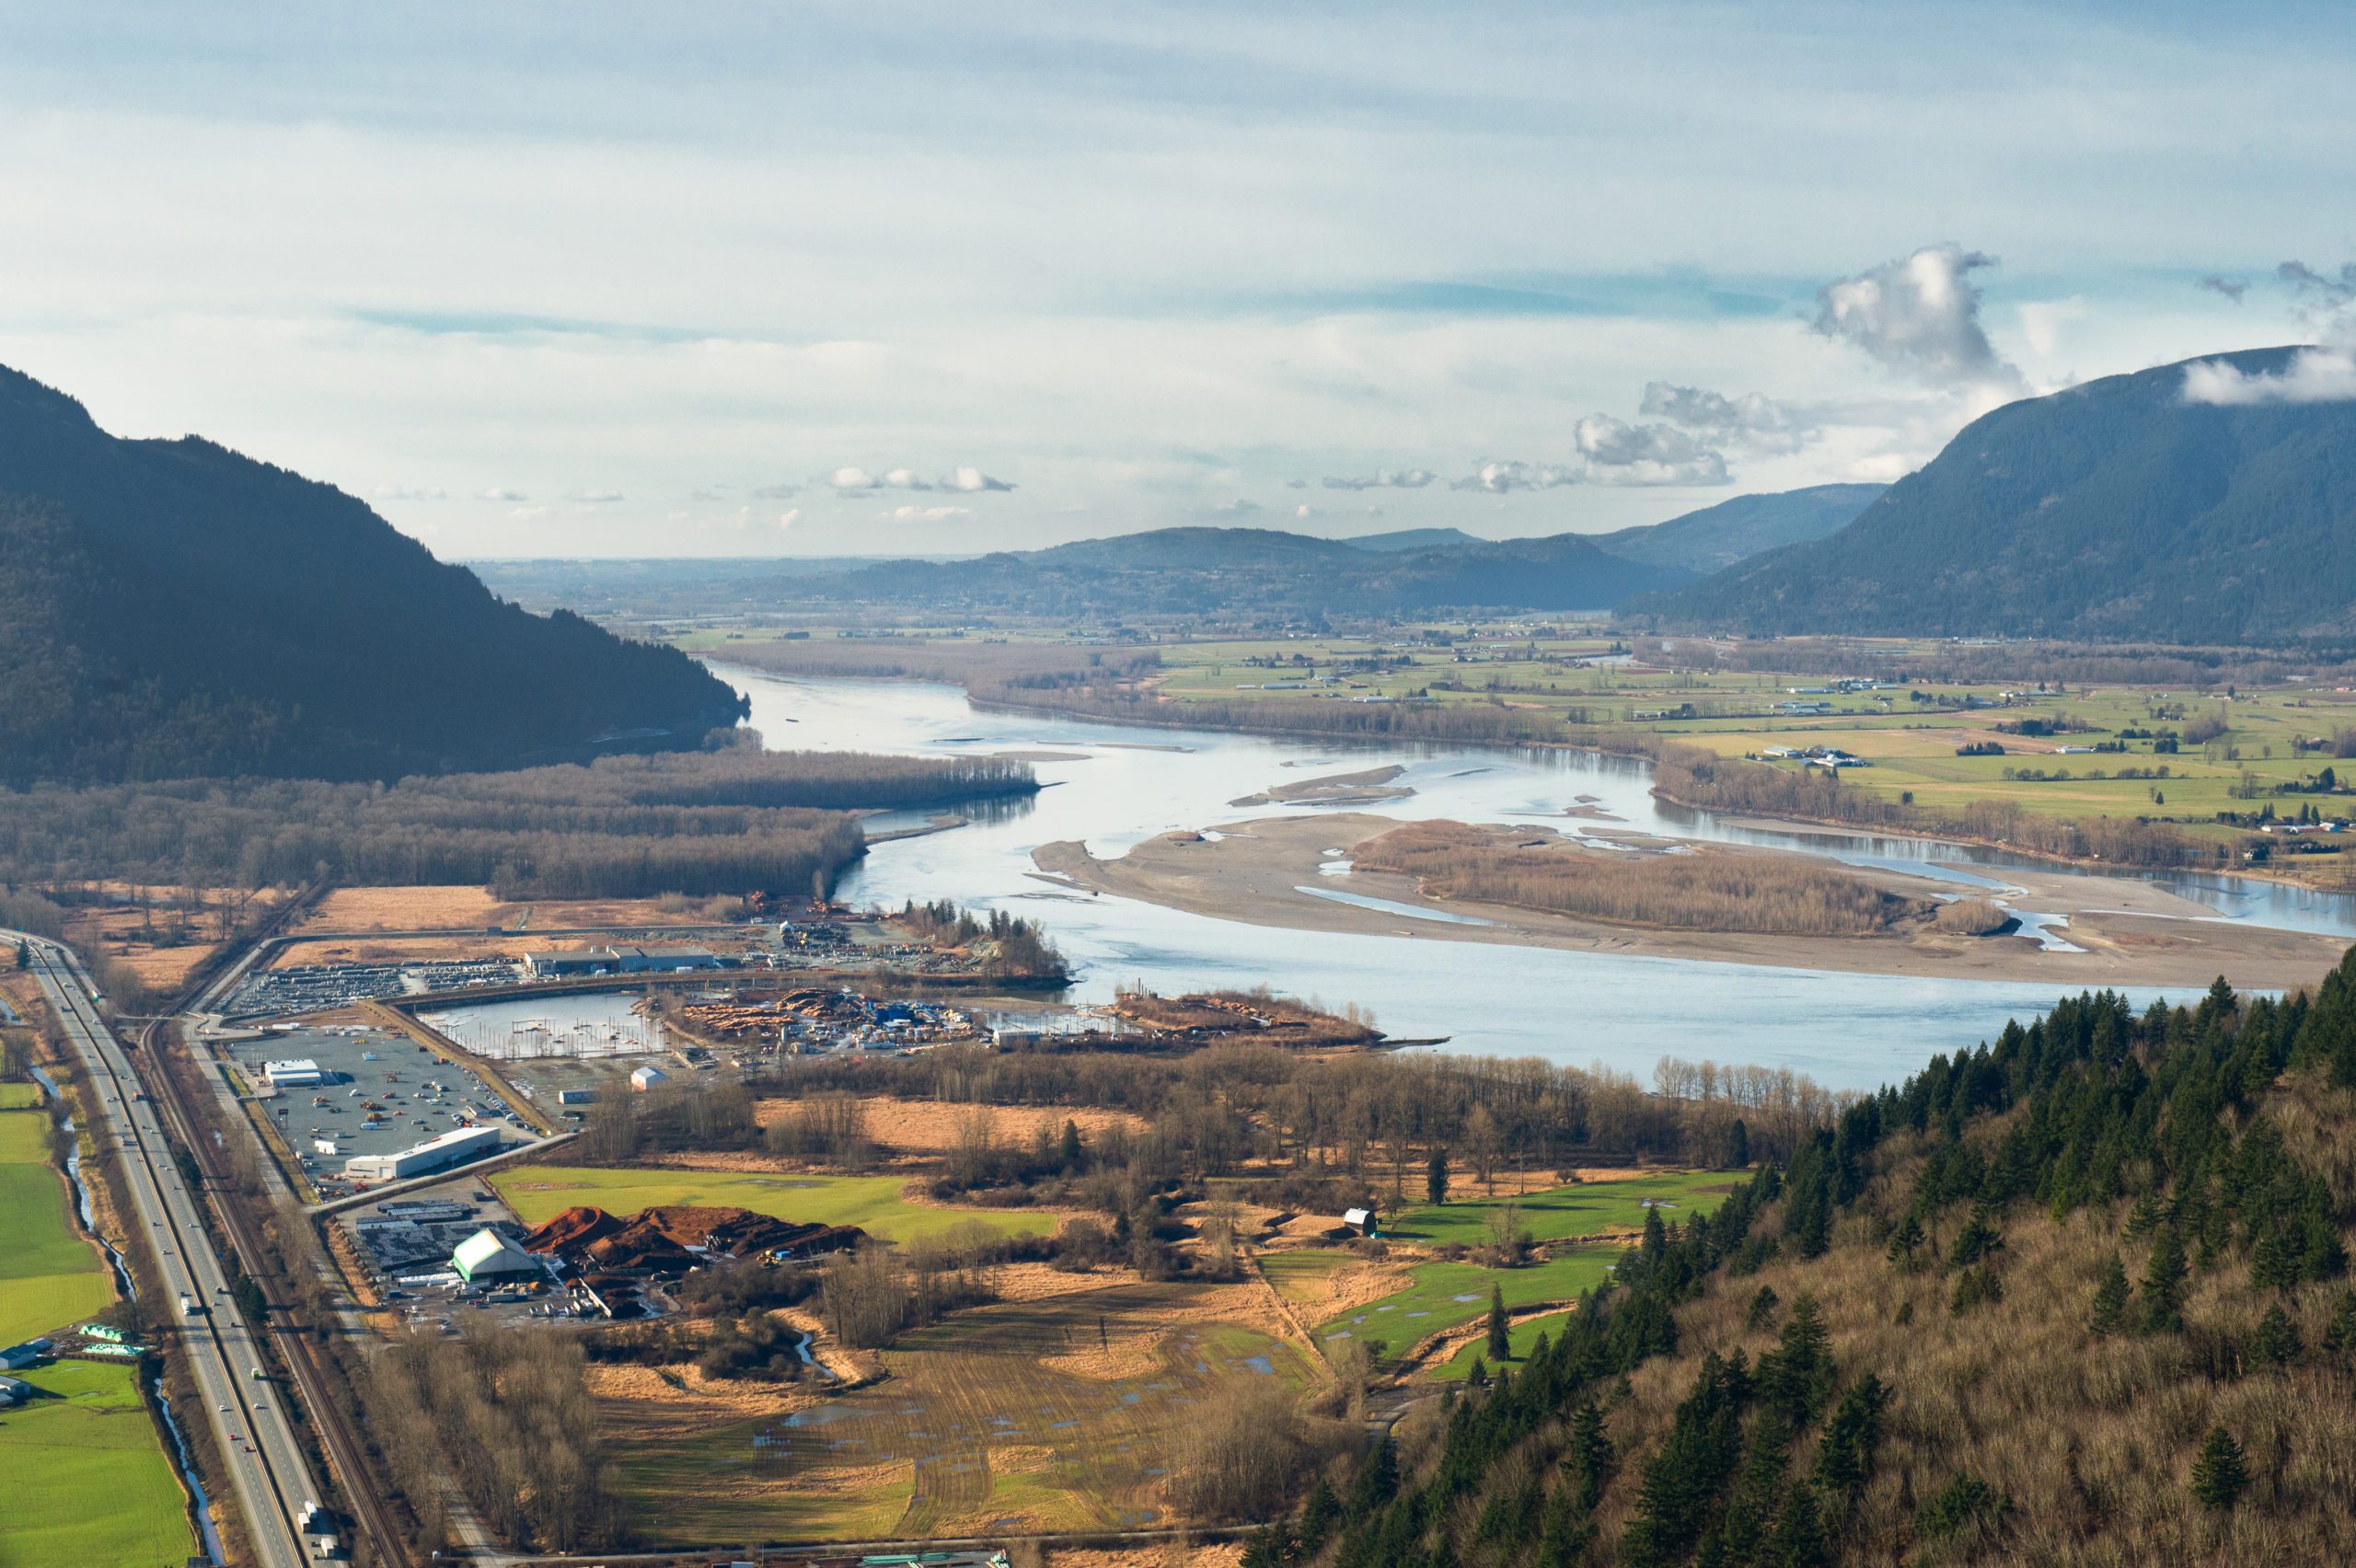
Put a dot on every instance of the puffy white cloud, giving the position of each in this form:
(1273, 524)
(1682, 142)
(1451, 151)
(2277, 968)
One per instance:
(903, 479)
(928, 513)
(399, 492)
(1501, 476)
(593, 497)
(498, 493)
(849, 479)
(787, 518)
(1758, 422)
(1919, 314)
(2314, 375)
(1618, 453)
(2232, 288)
(971, 481)
(1381, 479)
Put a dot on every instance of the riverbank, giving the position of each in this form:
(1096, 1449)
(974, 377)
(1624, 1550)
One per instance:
(1267, 872)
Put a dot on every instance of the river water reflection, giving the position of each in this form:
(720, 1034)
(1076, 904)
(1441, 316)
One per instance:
(1112, 786)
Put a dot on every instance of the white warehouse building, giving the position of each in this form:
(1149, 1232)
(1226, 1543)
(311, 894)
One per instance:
(297, 1073)
(435, 1154)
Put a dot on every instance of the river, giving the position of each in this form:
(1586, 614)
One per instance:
(1112, 786)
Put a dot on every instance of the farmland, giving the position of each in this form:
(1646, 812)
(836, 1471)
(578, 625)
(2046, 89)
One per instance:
(19, 1096)
(1446, 1294)
(1522, 1335)
(1047, 1414)
(48, 1275)
(1586, 1208)
(88, 1482)
(877, 1204)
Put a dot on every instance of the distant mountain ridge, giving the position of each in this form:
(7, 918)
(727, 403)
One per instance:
(2116, 509)
(1210, 572)
(1415, 539)
(169, 608)
(1717, 536)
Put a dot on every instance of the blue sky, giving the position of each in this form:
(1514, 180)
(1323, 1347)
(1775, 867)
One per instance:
(736, 279)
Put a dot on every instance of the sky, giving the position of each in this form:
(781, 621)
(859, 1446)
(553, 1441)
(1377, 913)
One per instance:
(732, 279)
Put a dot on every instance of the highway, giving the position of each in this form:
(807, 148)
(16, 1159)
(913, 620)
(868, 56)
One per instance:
(249, 1419)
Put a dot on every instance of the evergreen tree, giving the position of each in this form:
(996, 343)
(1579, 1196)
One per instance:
(1436, 1176)
(1072, 1150)
(2110, 1299)
(2340, 1337)
(1763, 1306)
(1794, 1377)
(1906, 1241)
(2164, 1283)
(1590, 1457)
(1847, 1456)
(1500, 1339)
(1975, 1241)
(2219, 1475)
(1564, 1532)
(1799, 1540)
(1319, 1514)
(1478, 1377)
(2276, 1343)
(1378, 1479)
(1654, 1245)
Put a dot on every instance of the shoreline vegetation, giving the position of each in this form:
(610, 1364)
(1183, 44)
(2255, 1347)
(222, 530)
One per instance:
(1119, 685)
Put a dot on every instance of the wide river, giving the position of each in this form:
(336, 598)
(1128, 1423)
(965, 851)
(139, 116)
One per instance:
(1127, 784)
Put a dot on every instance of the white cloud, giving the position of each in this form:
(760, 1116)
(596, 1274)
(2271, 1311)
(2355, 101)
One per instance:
(852, 479)
(2314, 375)
(1238, 507)
(930, 514)
(903, 479)
(397, 492)
(496, 493)
(1306, 511)
(1501, 476)
(775, 493)
(1618, 453)
(1759, 423)
(1919, 314)
(593, 497)
(973, 481)
(787, 518)
(531, 515)
(1381, 479)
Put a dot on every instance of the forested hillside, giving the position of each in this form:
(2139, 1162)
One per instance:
(2079, 1296)
(169, 608)
(1735, 530)
(2119, 509)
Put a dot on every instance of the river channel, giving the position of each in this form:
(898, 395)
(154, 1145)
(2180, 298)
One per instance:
(1113, 786)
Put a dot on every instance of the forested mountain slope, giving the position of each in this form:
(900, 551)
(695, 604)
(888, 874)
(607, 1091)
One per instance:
(2076, 1296)
(1735, 530)
(2114, 509)
(169, 608)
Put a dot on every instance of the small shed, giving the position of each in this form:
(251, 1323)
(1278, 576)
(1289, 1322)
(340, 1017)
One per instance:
(643, 1079)
(1360, 1220)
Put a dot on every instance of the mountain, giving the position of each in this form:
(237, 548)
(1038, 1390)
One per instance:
(2115, 510)
(1414, 540)
(1200, 573)
(1734, 530)
(169, 608)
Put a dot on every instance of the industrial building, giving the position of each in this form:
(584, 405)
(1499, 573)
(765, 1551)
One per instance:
(489, 1258)
(435, 1154)
(636, 959)
(13, 1390)
(576, 1097)
(643, 1079)
(299, 1073)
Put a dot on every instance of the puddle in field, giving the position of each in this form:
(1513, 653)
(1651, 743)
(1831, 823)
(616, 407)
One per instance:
(1259, 1364)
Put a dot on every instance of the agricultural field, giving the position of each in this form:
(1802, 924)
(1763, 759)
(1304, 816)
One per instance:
(1445, 1294)
(877, 1204)
(1049, 1414)
(49, 1275)
(19, 1096)
(1522, 1335)
(87, 1479)
(1586, 1208)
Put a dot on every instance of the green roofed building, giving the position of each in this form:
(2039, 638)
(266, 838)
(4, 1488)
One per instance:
(489, 1258)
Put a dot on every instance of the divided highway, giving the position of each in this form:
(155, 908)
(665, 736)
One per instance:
(247, 1416)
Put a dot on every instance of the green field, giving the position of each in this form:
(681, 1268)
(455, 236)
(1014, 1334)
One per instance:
(1522, 1335)
(973, 1429)
(1445, 1294)
(49, 1275)
(19, 1096)
(1587, 1208)
(874, 1203)
(87, 1482)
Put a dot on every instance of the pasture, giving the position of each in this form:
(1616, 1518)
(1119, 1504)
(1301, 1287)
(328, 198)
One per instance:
(49, 1275)
(1029, 1415)
(1584, 1208)
(1522, 1335)
(1445, 1294)
(877, 1204)
(87, 1479)
(19, 1096)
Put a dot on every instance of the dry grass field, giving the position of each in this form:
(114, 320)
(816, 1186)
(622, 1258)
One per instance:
(934, 1127)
